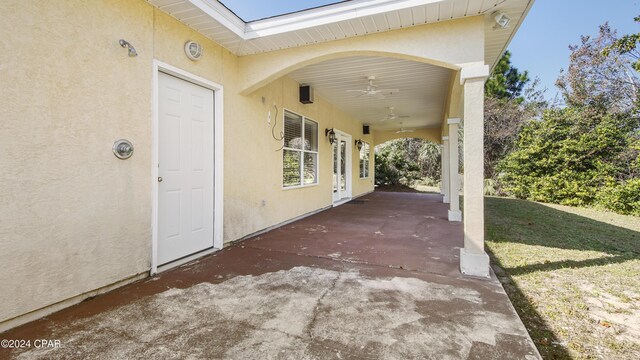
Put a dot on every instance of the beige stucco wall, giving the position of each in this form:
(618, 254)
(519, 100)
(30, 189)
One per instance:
(73, 218)
(261, 170)
(451, 44)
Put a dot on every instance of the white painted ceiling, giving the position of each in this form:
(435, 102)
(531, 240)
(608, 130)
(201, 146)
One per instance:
(422, 95)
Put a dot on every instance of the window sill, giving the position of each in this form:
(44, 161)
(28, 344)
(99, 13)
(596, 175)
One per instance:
(300, 186)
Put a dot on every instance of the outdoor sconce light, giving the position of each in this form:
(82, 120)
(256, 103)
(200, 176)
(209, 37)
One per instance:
(331, 134)
(359, 143)
(502, 20)
(122, 149)
(125, 44)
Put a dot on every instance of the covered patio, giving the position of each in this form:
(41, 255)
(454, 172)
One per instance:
(377, 277)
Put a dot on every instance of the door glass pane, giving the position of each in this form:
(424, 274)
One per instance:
(335, 167)
(364, 160)
(310, 166)
(291, 167)
(343, 167)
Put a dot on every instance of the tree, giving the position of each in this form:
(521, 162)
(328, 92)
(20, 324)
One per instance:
(587, 153)
(506, 81)
(598, 77)
(504, 119)
(509, 102)
(403, 161)
(395, 163)
(626, 46)
(575, 156)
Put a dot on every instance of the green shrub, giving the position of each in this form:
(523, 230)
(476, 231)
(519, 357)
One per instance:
(570, 155)
(393, 168)
(624, 199)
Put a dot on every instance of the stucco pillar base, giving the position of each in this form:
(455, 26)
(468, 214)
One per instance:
(474, 264)
(455, 215)
(445, 199)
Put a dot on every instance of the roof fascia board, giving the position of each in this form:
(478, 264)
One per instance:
(327, 15)
(222, 15)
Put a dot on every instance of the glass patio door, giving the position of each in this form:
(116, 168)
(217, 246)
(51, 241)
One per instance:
(341, 168)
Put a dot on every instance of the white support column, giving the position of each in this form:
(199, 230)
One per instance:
(445, 169)
(441, 147)
(454, 181)
(473, 259)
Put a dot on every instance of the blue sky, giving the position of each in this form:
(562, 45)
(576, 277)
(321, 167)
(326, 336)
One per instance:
(541, 45)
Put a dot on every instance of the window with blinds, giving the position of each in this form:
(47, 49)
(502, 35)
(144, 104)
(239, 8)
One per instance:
(364, 160)
(300, 151)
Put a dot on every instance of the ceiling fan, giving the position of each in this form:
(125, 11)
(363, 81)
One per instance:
(373, 91)
(403, 130)
(392, 115)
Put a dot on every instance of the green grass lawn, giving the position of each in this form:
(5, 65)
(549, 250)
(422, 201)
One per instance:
(572, 274)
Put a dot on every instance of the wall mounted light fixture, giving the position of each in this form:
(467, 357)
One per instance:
(331, 134)
(502, 20)
(122, 149)
(193, 50)
(125, 44)
(359, 144)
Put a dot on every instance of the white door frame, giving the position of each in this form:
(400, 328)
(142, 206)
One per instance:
(218, 128)
(349, 167)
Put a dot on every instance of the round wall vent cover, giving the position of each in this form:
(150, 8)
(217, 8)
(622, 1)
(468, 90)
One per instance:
(193, 50)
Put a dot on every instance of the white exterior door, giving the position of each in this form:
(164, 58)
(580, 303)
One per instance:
(185, 168)
(341, 168)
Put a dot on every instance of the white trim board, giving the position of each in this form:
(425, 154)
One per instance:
(349, 168)
(327, 14)
(298, 20)
(218, 176)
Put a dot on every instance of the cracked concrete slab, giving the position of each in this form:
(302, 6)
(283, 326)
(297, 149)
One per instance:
(314, 289)
(301, 313)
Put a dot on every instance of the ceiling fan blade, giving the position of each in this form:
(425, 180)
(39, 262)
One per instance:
(362, 91)
(390, 91)
(404, 116)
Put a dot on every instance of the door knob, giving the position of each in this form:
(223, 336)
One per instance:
(159, 178)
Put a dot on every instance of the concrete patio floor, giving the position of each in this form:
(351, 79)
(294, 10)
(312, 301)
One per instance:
(376, 278)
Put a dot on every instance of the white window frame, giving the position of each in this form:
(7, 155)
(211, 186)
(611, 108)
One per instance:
(302, 151)
(368, 161)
